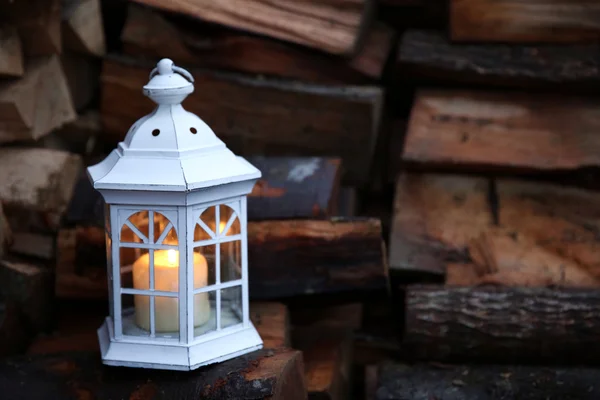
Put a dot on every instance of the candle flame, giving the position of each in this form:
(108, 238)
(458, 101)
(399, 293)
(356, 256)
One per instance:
(172, 256)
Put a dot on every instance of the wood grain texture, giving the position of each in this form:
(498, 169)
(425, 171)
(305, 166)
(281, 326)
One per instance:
(82, 27)
(485, 382)
(542, 21)
(502, 324)
(36, 186)
(334, 26)
(503, 131)
(36, 104)
(295, 187)
(430, 55)
(253, 115)
(151, 35)
(272, 322)
(11, 55)
(266, 374)
(435, 217)
(302, 257)
(38, 24)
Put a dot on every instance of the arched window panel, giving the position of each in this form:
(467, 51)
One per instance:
(216, 222)
(136, 227)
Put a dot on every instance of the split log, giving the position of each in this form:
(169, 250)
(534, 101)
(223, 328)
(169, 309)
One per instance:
(265, 374)
(11, 57)
(324, 116)
(151, 35)
(502, 324)
(83, 75)
(38, 24)
(6, 235)
(332, 26)
(82, 27)
(33, 245)
(36, 104)
(271, 320)
(30, 287)
(430, 55)
(435, 218)
(295, 187)
(455, 128)
(564, 221)
(485, 382)
(286, 258)
(547, 21)
(300, 257)
(36, 186)
(80, 136)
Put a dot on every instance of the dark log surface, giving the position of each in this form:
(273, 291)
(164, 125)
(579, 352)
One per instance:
(259, 116)
(300, 257)
(431, 55)
(294, 187)
(485, 382)
(150, 34)
(499, 324)
(265, 374)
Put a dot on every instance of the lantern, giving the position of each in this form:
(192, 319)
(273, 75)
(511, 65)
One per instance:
(176, 238)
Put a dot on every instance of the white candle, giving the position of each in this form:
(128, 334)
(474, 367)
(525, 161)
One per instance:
(166, 278)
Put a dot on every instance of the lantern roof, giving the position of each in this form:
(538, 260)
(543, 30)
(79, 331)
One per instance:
(170, 149)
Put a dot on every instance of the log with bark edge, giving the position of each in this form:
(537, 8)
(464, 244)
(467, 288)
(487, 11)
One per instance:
(253, 115)
(430, 55)
(82, 27)
(502, 324)
(546, 21)
(37, 103)
(332, 26)
(295, 187)
(36, 186)
(11, 56)
(466, 129)
(484, 382)
(264, 374)
(149, 34)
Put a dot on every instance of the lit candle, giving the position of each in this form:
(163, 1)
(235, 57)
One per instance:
(166, 278)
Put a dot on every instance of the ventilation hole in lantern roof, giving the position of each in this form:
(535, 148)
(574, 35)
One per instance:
(156, 132)
(193, 130)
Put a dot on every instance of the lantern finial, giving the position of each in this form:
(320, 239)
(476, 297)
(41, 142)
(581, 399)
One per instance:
(169, 84)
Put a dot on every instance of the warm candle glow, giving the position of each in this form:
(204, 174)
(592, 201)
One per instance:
(166, 278)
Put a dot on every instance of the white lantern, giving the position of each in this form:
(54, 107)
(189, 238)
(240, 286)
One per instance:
(176, 238)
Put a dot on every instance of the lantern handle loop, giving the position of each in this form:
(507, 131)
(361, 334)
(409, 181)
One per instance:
(166, 66)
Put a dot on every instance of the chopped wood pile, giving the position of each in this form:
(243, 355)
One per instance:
(427, 224)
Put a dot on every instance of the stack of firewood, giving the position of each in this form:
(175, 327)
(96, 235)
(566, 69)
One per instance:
(463, 130)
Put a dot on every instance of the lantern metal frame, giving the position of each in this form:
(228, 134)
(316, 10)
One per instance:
(178, 173)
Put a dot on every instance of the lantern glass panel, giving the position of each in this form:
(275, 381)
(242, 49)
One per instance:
(205, 317)
(204, 265)
(231, 264)
(231, 306)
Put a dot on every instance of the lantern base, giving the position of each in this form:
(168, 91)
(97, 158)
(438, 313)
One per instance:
(175, 356)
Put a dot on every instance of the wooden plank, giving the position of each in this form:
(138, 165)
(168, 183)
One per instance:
(152, 35)
(561, 220)
(266, 374)
(332, 26)
(430, 55)
(295, 187)
(485, 382)
(38, 24)
(82, 27)
(320, 256)
(502, 324)
(36, 104)
(435, 218)
(516, 21)
(11, 56)
(29, 286)
(36, 186)
(33, 245)
(502, 130)
(324, 116)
